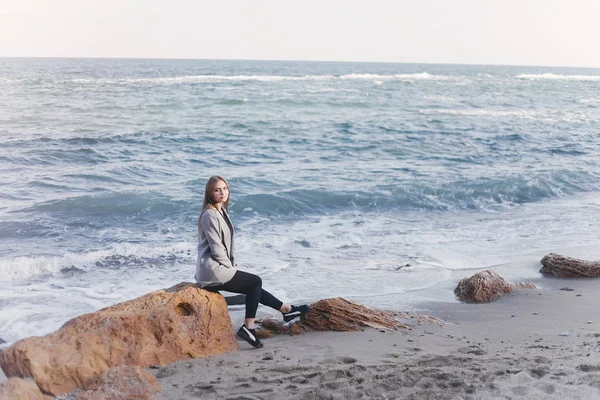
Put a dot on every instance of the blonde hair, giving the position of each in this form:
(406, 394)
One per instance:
(208, 195)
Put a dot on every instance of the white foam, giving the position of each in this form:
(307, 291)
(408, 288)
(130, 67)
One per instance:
(208, 79)
(485, 113)
(558, 77)
(17, 268)
(441, 98)
(423, 76)
(590, 101)
(572, 116)
(326, 90)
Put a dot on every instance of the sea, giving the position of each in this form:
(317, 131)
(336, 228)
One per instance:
(382, 183)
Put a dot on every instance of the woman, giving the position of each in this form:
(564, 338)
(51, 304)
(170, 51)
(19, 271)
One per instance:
(216, 268)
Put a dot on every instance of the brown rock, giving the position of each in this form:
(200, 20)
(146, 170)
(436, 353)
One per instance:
(486, 286)
(156, 329)
(336, 314)
(567, 267)
(122, 383)
(21, 389)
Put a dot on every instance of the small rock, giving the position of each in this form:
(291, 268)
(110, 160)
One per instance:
(578, 295)
(564, 334)
(486, 286)
(535, 313)
(567, 267)
(336, 314)
(410, 340)
(267, 358)
(589, 322)
(567, 289)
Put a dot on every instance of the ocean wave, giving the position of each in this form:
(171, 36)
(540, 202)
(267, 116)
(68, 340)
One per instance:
(558, 77)
(25, 229)
(135, 208)
(440, 98)
(298, 202)
(106, 207)
(422, 76)
(233, 102)
(78, 140)
(206, 79)
(462, 194)
(485, 113)
(118, 255)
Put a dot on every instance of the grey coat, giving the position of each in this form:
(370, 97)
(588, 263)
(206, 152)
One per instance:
(216, 249)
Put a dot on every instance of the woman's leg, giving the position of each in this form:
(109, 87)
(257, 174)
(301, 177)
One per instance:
(251, 286)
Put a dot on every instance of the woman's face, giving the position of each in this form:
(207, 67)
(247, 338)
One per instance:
(220, 192)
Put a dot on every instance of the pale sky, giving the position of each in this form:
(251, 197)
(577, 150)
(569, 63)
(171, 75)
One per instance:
(517, 32)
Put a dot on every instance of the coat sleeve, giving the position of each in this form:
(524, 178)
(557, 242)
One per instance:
(210, 225)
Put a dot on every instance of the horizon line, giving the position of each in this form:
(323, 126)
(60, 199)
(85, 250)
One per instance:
(295, 60)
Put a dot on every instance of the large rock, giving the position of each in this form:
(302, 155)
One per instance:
(156, 329)
(486, 286)
(21, 389)
(122, 383)
(567, 267)
(337, 314)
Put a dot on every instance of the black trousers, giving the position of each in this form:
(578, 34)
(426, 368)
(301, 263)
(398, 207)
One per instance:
(251, 286)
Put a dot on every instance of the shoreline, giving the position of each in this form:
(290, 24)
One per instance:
(539, 343)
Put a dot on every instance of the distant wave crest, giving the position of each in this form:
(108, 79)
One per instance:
(558, 77)
(423, 76)
(484, 113)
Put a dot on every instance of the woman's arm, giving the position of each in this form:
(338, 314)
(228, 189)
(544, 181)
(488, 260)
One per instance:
(210, 226)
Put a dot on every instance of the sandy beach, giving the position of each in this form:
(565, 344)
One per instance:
(533, 344)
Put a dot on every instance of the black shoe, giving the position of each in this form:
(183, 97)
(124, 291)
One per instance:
(249, 335)
(297, 311)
